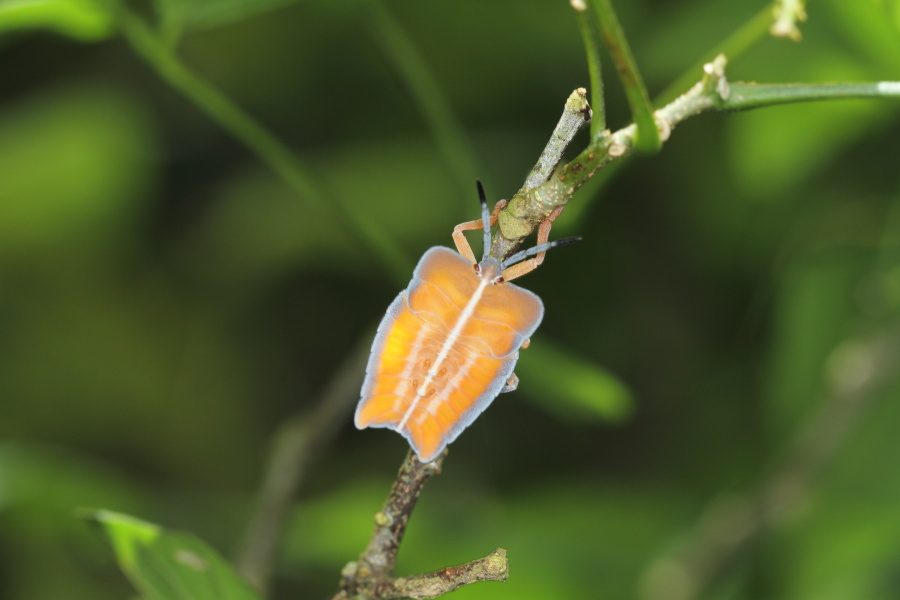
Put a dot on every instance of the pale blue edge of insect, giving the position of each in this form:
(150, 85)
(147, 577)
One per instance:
(481, 402)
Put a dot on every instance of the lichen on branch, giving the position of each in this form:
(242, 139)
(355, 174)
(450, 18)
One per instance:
(372, 576)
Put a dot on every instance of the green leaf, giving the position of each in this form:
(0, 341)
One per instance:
(83, 20)
(571, 387)
(169, 565)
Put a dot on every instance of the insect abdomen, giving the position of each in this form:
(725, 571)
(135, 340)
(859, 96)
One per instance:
(443, 352)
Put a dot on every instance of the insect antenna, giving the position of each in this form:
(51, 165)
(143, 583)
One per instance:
(485, 219)
(520, 256)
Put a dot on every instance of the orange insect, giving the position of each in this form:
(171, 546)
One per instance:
(449, 342)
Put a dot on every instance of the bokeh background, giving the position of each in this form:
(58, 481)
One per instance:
(708, 410)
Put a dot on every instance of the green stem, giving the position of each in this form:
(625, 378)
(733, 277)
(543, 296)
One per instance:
(744, 96)
(528, 208)
(149, 46)
(715, 94)
(426, 92)
(591, 39)
(648, 136)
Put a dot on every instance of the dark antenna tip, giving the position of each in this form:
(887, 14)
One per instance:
(566, 241)
(485, 218)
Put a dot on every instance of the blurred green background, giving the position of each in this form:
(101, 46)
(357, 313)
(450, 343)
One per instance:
(722, 340)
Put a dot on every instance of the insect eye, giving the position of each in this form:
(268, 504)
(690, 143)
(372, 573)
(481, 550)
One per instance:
(477, 268)
(499, 279)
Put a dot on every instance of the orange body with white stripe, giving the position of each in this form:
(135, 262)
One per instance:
(449, 342)
(445, 349)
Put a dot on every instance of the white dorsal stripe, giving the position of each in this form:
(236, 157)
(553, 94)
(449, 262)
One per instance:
(464, 317)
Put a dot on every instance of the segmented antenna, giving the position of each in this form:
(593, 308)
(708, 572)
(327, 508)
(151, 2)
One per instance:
(520, 256)
(485, 219)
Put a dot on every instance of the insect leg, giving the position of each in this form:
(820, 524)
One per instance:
(462, 244)
(527, 266)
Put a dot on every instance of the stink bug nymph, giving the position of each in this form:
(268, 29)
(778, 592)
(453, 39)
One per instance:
(450, 341)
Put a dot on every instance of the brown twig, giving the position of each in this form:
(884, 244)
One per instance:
(380, 557)
(493, 567)
(372, 576)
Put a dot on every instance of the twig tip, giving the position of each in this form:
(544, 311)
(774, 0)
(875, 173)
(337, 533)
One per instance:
(497, 565)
